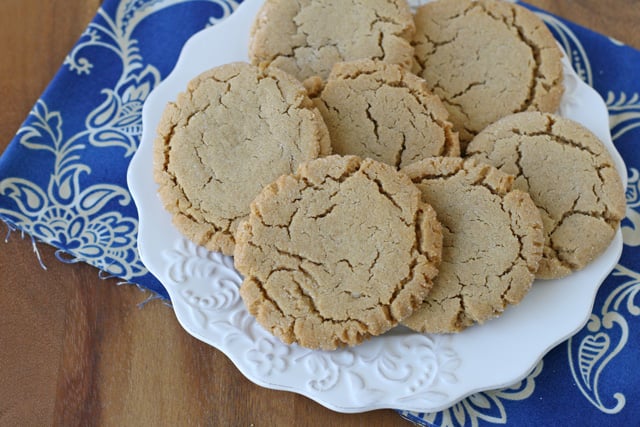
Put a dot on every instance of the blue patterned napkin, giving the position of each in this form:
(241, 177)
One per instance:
(63, 182)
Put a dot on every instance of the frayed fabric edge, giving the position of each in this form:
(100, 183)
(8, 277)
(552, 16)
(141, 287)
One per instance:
(12, 228)
(70, 259)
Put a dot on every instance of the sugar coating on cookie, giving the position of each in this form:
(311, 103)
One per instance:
(306, 37)
(340, 251)
(492, 243)
(487, 59)
(235, 129)
(570, 176)
(384, 112)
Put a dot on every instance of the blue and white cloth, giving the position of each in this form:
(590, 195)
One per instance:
(63, 182)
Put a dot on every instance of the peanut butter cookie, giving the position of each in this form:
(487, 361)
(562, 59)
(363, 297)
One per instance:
(384, 112)
(571, 178)
(235, 129)
(487, 59)
(492, 243)
(340, 251)
(306, 37)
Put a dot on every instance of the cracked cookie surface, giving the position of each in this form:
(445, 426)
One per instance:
(487, 59)
(340, 251)
(235, 129)
(306, 37)
(381, 111)
(570, 176)
(492, 242)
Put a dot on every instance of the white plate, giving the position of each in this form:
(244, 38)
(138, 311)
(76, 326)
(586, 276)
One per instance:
(401, 369)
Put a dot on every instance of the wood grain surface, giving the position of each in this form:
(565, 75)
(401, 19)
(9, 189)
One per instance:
(77, 350)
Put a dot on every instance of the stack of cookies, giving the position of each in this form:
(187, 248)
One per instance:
(373, 167)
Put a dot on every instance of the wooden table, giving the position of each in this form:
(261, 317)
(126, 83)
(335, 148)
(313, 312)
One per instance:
(79, 350)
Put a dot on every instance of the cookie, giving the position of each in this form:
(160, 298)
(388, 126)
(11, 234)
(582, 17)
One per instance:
(340, 251)
(306, 37)
(487, 59)
(381, 111)
(492, 243)
(235, 129)
(571, 178)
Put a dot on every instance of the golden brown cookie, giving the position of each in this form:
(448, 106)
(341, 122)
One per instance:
(571, 178)
(381, 111)
(342, 250)
(306, 37)
(235, 129)
(487, 59)
(492, 242)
